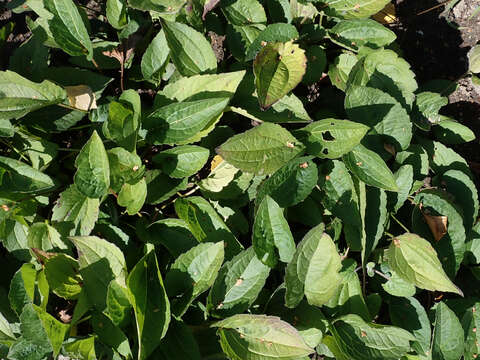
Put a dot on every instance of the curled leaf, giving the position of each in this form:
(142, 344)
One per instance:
(81, 97)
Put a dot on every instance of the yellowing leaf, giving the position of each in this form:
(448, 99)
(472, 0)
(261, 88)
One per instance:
(387, 15)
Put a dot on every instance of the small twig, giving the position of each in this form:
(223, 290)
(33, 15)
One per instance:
(71, 107)
(345, 254)
(433, 7)
(399, 223)
(382, 275)
(189, 192)
(96, 65)
(387, 233)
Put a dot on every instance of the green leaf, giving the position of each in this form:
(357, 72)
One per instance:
(369, 167)
(451, 247)
(82, 348)
(44, 237)
(443, 158)
(474, 59)
(13, 233)
(272, 33)
(118, 302)
(205, 223)
(314, 270)
(22, 287)
(449, 131)
(150, 303)
(41, 333)
(237, 285)
(427, 106)
(189, 50)
(155, 58)
(6, 332)
(93, 171)
(124, 120)
(261, 150)
(239, 39)
(357, 339)
(340, 68)
(380, 111)
(354, 9)
(447, 334)
(63, 276)
(125, 168)
(178, 343)
(278, 69)
(68, 28)
(219, 178)
(18, 177)
(470, 323)
(110, 335)
(398, 286)
(416, 261)
(160, 6)
(410, 315)
(404, 179)
(193, 273)
(133, 196)
(362, 32)
(331, 138)
(178, 122)
(260, 337)
(182, 161)
(316, 64)
(77, 210)
(384, 70)
(100, 262)
(20, 96)
(41, 152)
(375, 217)
(290, 184)
(117, 13)
(161, 187)
(271, 235)
(244, 12)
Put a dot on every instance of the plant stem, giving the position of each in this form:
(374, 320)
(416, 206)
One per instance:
(71, 107)
(399, 223)
(382, 275)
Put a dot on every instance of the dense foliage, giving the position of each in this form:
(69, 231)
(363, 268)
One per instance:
(237, 179)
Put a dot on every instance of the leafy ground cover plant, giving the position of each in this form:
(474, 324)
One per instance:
(171, 187)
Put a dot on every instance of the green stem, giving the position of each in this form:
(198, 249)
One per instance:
(399, 223)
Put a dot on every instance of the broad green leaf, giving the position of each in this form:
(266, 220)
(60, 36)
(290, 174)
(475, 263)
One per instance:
(173, 234)
(82, 349)
(155, 58)
(410, 315)
(124, 120)
(272, 33)
(271, 235)
(18, 177)
(93, 171)
(41, 152)
(384, 70)
(117, 13)
(77, 210)
(205, 223)
(369, 167)
(381, 112)
(161, 187)
(331, 138)
(133, 196)
(150, 303)
(186, 87)
(340, 68)
(68, 29)
(416, 261)
(314, 270)
(239, 39)
(63, 276)
(44, 237)
(375, 217)
(470, 323)
(193, 273)
(179, 342)
(398, 286)
(189, 50)
(118, 302)
(110, 334)
(448, 341)
(474, 59)
(182, 161)
(417, 157)
(261, 150)
(42, 334)
(290, 184)
(20, 96)
(100, 262)
(260, 337)
(22, 287)
(404, 179)
(316, 64)
(359, 340)
(178, 122)
(449, 131)
(238, 284)
(13, 233)
(244, 12)
(278, 69)
(451, 247)
(362, 32)
(354, 9)
(427, 106)
(6, 332)
(125, 168)
(160, 6)
(219, 178)
(442, 158)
